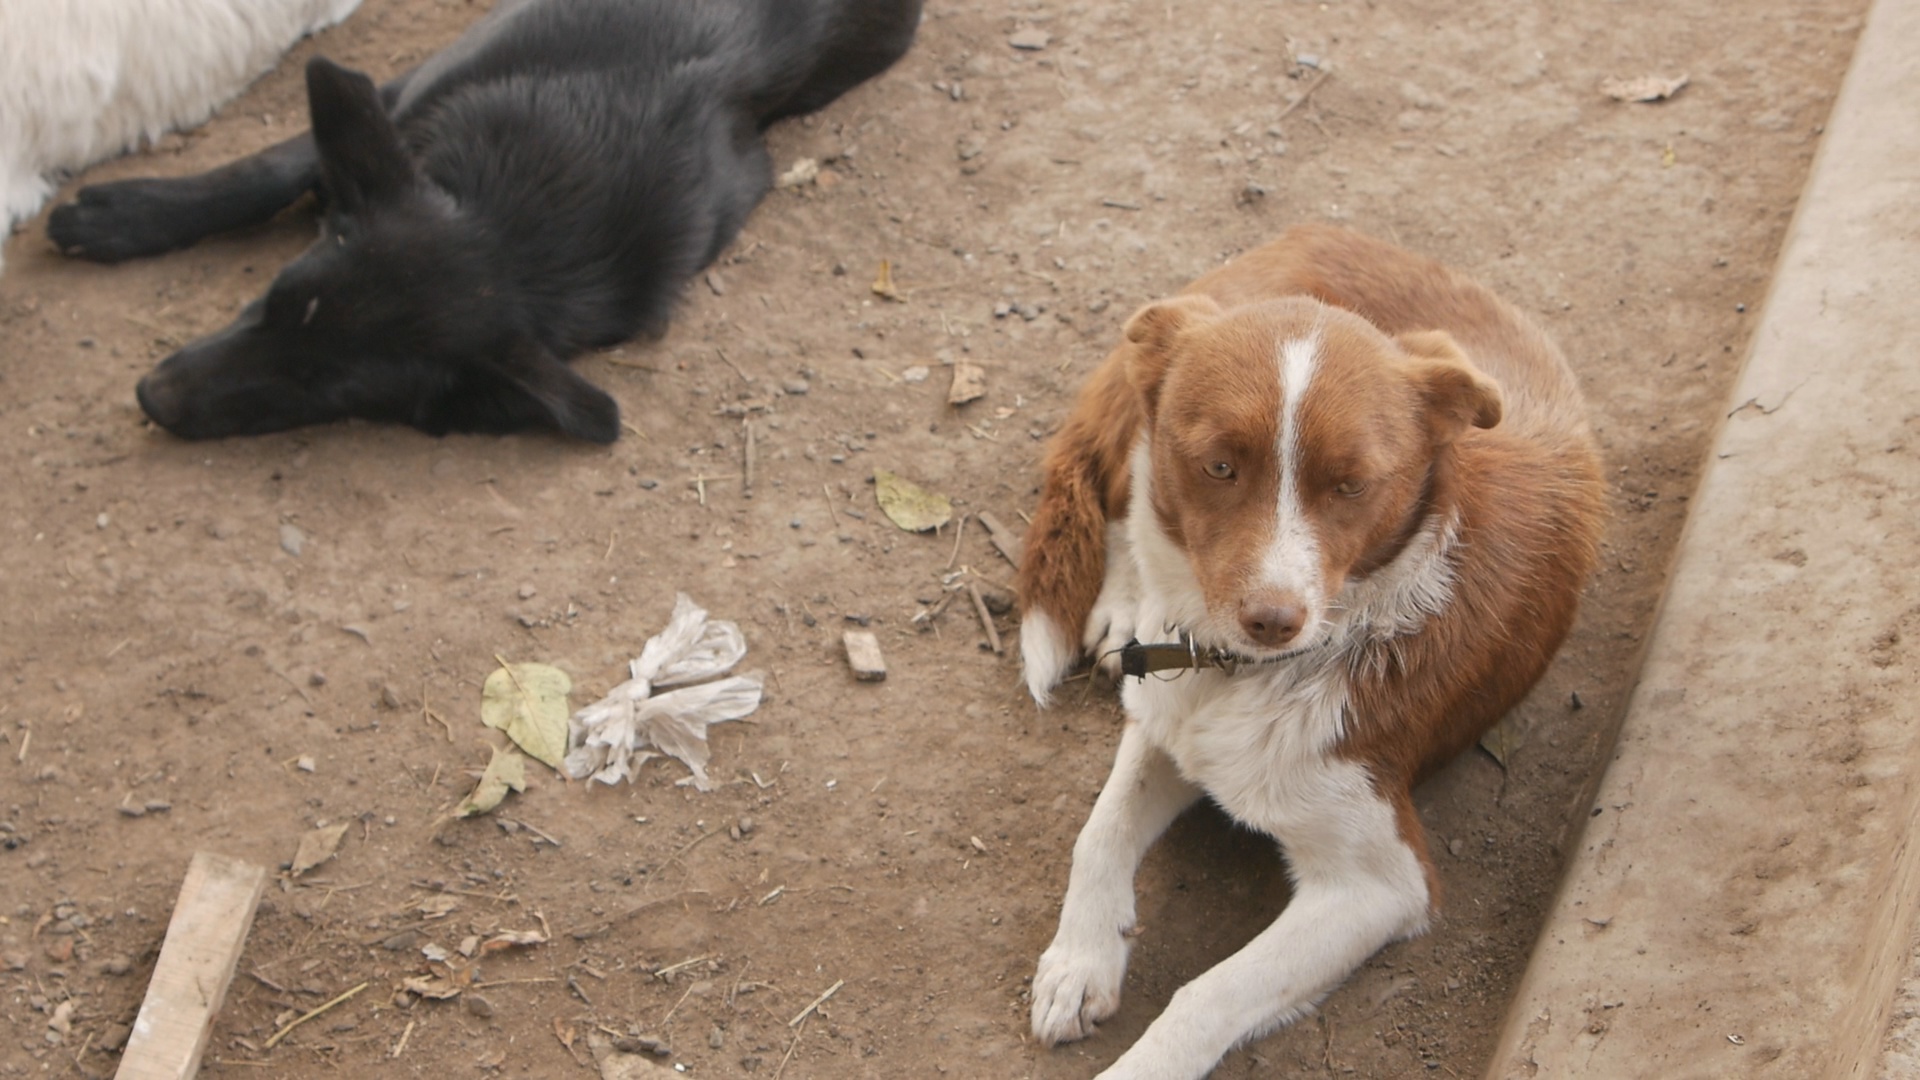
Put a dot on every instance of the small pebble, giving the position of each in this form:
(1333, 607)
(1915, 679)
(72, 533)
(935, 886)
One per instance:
(292, 540)
(796, 387)
(1002, 309)
(305, 763)
(527, 592)
(478, 1005)
(115, 965)
(915, 374)
(649, 483)
(746, 826)
(1456, 847)
(158, 806)
(317, 679)
(1032, 39)
(103, 520)
(716, 1039)
(132, 811)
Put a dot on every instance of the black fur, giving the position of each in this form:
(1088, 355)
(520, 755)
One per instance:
(544, 185)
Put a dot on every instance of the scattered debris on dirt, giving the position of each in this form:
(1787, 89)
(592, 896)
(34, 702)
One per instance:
(1646, 88)
(969, 383)
(506, 771)
(612, 738)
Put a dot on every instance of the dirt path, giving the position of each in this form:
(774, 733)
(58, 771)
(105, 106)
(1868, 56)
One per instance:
(160, 641)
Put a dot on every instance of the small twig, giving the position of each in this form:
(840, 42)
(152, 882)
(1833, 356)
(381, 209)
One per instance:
(817, 1002)
(789, 1054)
(25, 740)
(266, 982)
(682, 965)
(746, 471)
(772, 896)
(537, 831)
(677, 1004)
(833, 517)
(744, 377)
(986, 617)
(958, 531)
(1304, 95)
(612, 535)
(401, 1046)
(573, 984)
(514, 982)
(310, 1014)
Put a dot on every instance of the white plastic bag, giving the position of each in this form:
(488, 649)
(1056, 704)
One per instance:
(609, 740)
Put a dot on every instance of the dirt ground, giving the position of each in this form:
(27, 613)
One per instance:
(165, 637)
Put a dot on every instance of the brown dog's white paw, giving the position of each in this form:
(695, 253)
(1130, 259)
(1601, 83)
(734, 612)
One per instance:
(1075, 987)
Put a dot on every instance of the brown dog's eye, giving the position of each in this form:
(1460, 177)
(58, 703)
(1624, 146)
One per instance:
(1350, 488)
(1220, 470)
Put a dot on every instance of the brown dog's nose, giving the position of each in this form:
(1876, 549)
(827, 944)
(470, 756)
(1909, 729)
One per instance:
(1272, 622)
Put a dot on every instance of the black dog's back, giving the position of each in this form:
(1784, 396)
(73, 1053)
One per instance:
(544, 185)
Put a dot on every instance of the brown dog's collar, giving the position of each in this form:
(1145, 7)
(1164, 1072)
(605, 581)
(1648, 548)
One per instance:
(1139, 660)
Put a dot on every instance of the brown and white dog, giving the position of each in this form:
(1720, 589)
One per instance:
(1356, 493)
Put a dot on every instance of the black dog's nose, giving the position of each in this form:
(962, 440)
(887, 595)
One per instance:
(160, 400)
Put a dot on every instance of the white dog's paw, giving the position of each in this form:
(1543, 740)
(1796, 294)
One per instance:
(1076, 988)
(1046, 654)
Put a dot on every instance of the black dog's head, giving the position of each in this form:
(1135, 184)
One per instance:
(401, 312)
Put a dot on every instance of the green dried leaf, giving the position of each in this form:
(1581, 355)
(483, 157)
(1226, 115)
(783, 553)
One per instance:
(529, 703)
(507, 770)
(909, 505)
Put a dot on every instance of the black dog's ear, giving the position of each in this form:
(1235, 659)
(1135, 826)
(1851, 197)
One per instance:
(530, 388)
(361, 155)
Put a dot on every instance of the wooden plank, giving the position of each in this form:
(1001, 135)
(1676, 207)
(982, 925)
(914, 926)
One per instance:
(204, 938)
(1004, 540)
(863, 653)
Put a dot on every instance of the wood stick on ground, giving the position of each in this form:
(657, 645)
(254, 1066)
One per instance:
(986, 617)
(197, 959)
(1001, 537)
(788, 1056)
(274, 1040)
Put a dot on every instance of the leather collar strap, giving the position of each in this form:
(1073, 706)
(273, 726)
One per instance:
(1139, 660)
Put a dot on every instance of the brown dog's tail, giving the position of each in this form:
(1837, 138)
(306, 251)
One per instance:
(1064, 558)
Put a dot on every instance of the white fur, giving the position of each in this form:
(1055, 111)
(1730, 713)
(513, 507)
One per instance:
(1260, 742)
(1045, 654)
(1291, 563)
(83, 80)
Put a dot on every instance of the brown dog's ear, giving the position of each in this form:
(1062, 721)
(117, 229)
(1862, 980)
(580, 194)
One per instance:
(1458, 395)
(1152, 330)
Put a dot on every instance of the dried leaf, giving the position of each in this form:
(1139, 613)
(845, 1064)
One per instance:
(529, 703)
(316, 847)
(445, 981)
(883, 281)
(434, 951)
(437, 907)
(909, 505)
(565, 1032)
(1644, 88)
(1502, 739)
(507, 770)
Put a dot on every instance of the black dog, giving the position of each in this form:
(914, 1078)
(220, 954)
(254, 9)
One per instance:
(544, 185)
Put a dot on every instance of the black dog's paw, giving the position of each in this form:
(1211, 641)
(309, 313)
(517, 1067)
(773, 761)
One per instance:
(121, 220)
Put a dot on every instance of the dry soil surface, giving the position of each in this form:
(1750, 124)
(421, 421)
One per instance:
(181, 624)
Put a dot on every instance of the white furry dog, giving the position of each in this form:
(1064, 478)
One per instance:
(83, 80)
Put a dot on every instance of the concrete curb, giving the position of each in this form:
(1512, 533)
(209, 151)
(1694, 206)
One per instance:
(1743, 901)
